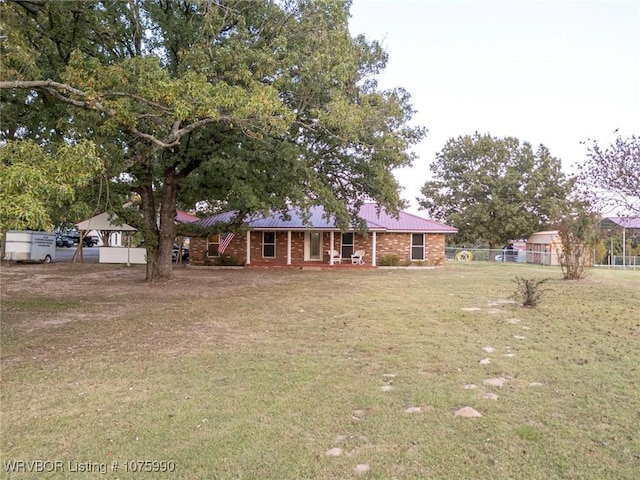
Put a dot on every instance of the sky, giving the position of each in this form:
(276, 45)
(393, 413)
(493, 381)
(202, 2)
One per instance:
(551, 72)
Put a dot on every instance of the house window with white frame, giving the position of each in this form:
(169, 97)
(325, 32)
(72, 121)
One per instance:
(417, 246)
(269, 244)
(346, 245)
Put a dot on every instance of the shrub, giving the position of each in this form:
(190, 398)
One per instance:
(225, 260)
(529, 291)
(579, 234)
(390, 261)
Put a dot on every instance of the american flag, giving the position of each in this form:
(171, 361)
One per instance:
(225, 240)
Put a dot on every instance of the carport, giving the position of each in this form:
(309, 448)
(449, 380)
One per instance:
(625, 224)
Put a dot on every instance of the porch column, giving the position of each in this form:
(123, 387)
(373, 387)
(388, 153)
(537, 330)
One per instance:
(288, 247)
(331, 247)
(373, 259)
(248, 261)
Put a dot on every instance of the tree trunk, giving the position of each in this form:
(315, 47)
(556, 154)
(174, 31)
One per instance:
(162, 227)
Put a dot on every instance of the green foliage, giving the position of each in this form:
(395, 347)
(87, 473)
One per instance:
(601, 253)
(389, 261)
(495, 190)
(36, 184)
(227, 260)
(529, 291)
(250, 107)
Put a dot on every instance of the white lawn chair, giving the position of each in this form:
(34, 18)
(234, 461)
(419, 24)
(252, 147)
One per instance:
(335, 255)
(358, 257)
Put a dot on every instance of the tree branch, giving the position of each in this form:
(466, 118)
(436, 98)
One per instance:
(54, 88)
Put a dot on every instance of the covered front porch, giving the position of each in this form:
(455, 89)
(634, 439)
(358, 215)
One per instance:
(293, 248)
(310, 247)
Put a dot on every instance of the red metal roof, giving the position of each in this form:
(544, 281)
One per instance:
(184, 217)
(624, 222)
(406, 222)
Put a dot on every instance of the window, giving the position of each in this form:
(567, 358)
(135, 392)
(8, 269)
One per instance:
(269, 244)
(417, 246)
(213, 242)
(347, 245)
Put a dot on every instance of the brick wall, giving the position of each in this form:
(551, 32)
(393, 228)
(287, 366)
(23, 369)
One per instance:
(386, 244)
(198, 247)
(434, 248)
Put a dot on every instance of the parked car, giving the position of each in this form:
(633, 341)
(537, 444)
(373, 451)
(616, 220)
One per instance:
(509, 254)
(63, 241)
(176, 252)
(87, 241)
(73, 234)
(90, 240)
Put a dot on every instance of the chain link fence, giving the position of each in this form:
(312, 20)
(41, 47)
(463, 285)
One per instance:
(538, 258)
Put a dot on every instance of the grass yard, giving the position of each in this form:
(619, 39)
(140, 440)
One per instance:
(259, 374)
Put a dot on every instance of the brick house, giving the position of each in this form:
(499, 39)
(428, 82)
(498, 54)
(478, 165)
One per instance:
(271, 240)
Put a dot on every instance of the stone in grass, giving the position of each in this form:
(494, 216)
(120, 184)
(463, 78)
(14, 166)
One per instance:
(386, 388)
(362, 468)
(489, 349)
(471, 309)
(495, 382)
(413, 410)
(467, 412)
(519, 337)
(513, 320)
(490, 396)
(485, 361)
(334, 452)
(535, 384)
(509, 355)
(470, 386)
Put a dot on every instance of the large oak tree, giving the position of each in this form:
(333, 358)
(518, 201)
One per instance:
(495, 190)
(245, 104)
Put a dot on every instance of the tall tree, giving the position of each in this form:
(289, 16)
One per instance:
(494, 190)
(610, 178)
(249, 104)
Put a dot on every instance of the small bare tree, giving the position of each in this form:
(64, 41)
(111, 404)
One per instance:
(579, 234)
(609, 178)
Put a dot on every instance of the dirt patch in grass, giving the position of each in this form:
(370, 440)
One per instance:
(120, 307)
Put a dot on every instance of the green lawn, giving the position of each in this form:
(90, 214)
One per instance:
(256, 374)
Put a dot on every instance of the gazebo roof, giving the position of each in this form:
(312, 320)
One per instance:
(102, 222)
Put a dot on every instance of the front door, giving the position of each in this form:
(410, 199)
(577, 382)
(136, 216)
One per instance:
(313, 246)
